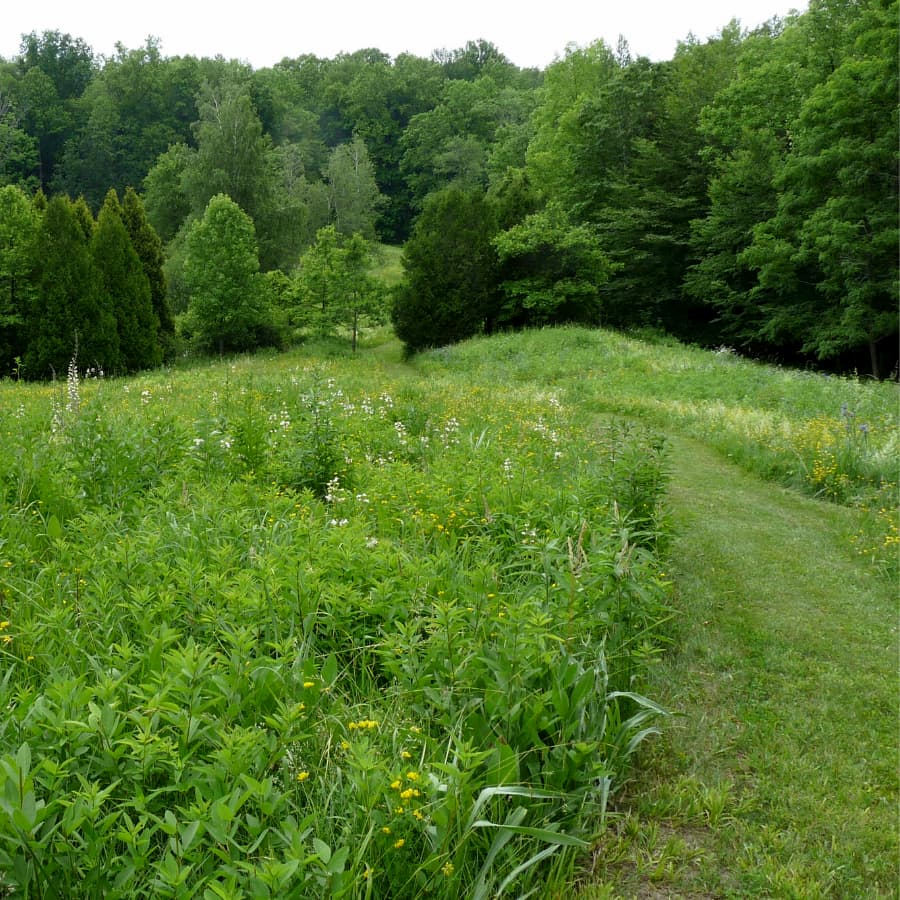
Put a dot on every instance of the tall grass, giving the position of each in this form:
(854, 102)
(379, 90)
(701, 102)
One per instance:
(835, 438)
(299, 626)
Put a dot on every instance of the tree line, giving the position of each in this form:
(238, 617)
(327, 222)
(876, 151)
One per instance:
(741, 193)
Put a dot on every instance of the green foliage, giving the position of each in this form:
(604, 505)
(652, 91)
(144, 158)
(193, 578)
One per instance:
(229, 675)
(450, 285)
(166, 200)
(19, 224)
(136, 106)
(71, 314)
(335, 288)
(125, 288)
(148, 247)
(18, 150)
(835, 230)
(232, 151)
(551, 271)
(353, 195)
(227, 308)
(742, 190)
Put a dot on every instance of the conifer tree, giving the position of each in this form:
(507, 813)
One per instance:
(149, 249)
(450, 286)
(126, 288)
(70, 314)
(19, 223)
(84, 217)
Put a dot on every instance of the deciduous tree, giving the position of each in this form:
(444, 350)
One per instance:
(227, 308)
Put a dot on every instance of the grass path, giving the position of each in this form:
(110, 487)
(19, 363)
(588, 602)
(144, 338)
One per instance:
(778, 777)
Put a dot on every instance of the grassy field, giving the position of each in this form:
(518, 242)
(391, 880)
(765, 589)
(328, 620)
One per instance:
(323, 625)
(307, 626)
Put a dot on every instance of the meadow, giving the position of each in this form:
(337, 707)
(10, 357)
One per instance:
(300, 627)
(328, 625)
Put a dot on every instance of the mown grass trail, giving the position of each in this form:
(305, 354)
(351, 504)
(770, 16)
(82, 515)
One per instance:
(779, 778)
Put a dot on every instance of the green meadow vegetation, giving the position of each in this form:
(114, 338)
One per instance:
(305, 627)
(336, 625)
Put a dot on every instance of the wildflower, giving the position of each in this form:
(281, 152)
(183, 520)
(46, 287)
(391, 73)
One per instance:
(447, 869)
(399, 843)
(385, 830)
(409, 793)
(302, 776)
(412, 776)
(396, 785)
(309, 684)
(406, 755)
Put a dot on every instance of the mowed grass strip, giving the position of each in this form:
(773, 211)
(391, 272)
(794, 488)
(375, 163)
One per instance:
(779, 778)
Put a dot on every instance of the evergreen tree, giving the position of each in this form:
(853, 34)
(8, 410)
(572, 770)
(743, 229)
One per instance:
(70, 314)
(450, 286)
(126, 288)
(149, 249)
(19, 224)
(84, 217)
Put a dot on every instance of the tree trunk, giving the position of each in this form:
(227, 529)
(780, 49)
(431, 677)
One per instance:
(873, 357)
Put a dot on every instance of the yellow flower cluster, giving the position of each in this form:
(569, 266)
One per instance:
(363, 724)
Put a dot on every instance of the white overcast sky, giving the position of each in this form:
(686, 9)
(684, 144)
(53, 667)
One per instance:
(529, 32)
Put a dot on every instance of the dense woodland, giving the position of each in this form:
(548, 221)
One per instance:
(743, 193)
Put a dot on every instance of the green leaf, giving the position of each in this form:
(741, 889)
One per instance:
(323, 851)
(54, 529)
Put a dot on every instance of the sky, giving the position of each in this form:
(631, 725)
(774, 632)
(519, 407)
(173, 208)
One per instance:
(528, 32)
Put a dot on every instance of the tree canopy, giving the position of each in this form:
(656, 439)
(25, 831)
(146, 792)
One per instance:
(741, 193)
